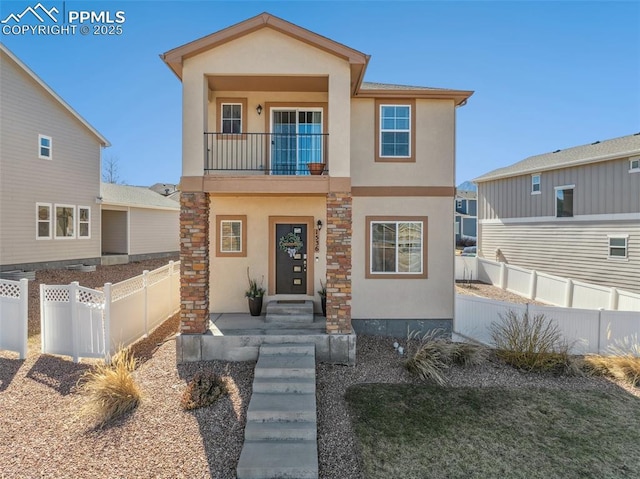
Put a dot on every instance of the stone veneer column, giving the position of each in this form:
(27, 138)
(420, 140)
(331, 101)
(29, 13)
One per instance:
(194, 263)
(339, 263)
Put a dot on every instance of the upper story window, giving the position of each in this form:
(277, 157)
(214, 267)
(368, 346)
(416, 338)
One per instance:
(231, 118)
(45, 147)
(43, 221)
(634, 165)
(84, 222)
(65, 221)
(395, 130)
(458, 205)
(232, 235)
(564, 201)
(535, 184)
(396, 247)
(618, 246)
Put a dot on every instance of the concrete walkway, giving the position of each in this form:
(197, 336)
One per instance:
(281, 431)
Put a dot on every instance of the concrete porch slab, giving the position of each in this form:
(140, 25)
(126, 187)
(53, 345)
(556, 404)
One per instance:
(238, 337)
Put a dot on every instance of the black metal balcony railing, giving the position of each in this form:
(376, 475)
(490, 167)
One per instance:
(267, 153)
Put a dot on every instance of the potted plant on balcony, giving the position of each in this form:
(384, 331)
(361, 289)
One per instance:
(323, 297)
(316, 168)
(254, 295)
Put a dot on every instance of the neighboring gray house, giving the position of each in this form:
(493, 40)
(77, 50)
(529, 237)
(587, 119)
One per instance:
(138, 223)
(573, 213)
(49, 175)
(466, 214)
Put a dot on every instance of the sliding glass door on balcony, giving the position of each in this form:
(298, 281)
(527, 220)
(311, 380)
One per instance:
(296, 140)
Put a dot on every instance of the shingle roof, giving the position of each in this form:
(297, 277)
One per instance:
(139, 196)
(366, 85)
(464, 194)
(622, 147)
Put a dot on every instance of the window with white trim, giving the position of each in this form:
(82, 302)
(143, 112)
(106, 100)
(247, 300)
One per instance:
(535, 184)
(634, 165)
(43, 221)
(84, 222)
(395, 131)
(618, 246)
(564, 201)
(65, 221)
(396, 247)
(45, 147)
(231, 118)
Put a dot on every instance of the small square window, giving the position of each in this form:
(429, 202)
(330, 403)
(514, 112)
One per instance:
(84, 222)
(43, 221)
(45, 147)
(618, 247)
(634, 165)
(231, 236)
(535, 184)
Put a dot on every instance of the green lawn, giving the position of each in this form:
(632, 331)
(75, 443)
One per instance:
(409, 431)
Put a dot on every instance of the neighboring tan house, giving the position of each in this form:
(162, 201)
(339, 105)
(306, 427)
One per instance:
(466, 214)
(49, 175)
(137, 224)
(573, 213)
(272, 99)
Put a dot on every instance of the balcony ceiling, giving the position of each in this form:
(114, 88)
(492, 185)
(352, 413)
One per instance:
(269, 83)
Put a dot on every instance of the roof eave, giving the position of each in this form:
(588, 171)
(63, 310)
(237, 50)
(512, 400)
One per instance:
(460, 97)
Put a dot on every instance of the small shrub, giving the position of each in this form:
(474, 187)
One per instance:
(623, 363)
(532, 343)
(467, 354)
(111, 389)
(204, 389)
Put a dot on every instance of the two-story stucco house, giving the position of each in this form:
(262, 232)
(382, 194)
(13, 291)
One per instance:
(573, 213)
(53, 209)
(265, 102)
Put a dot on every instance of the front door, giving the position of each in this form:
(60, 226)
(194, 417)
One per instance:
(291, 258)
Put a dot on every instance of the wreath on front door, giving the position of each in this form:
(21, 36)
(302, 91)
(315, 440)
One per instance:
(290, 243)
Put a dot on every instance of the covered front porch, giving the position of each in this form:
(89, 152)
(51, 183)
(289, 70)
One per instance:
(238, 337)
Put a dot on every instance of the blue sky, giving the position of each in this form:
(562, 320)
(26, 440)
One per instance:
(546, 75)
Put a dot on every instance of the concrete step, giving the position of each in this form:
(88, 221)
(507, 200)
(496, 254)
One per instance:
(282, 459)
(290, 311)
(282, 407)
(285, 366)
(278, 431)
(284, 385)
(287, 348)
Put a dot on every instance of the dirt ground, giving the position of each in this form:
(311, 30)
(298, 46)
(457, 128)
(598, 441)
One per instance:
(489, 291)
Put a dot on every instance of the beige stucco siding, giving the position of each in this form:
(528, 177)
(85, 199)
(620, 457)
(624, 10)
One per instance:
(600, 188)
(253, 54)
(430, 298)
(229, 275)
(115, 237)
(153, 231)
(434, 149)
(577, 250)
(71, 177)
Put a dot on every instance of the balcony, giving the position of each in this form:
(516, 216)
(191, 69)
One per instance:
(281, 154)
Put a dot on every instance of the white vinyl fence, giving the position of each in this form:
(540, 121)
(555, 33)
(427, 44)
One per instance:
(587, 331)
(544, 287)
(14, 298)
(83, 322)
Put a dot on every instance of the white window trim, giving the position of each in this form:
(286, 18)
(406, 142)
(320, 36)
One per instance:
(631, 167)
(624, 258)
(555, 199)
(88, 223)
(539, 192)
(222, 105)
(38, 221)
(40, 156)
(408, 130)
(54, 218)
(222, 250)
(396, 272)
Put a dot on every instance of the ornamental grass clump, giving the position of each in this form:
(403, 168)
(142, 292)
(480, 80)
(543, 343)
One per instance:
(111, 389)
(432, 354)
(622, 364)
(204, 389)
(532, 343)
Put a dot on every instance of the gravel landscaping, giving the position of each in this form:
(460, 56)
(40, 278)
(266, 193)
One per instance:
(45, 436)
(493, 292)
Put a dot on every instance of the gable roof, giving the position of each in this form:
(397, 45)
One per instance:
(622, 147)
(358, 60)
(103, 141)
(137, 196)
